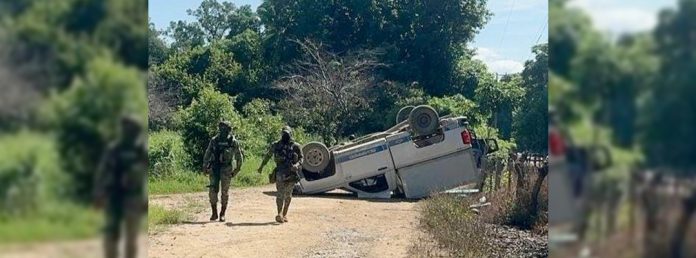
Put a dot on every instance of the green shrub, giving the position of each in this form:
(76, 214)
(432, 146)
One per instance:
(29, 172)
(85, 116)
(166, 154)
(199, 122)
(158, 215)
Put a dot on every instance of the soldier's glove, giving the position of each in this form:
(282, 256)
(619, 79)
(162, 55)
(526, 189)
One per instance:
(260, 170)
(206, 169)
(297, 167)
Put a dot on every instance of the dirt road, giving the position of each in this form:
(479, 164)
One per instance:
(329, 225)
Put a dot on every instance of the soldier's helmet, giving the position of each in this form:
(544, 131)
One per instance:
(286, 130)
(225, 123)
(130, 123)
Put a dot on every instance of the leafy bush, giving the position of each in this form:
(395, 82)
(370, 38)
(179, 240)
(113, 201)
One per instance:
(85, 116)
(199, 122)
(456, 105)
(29, 172)
(166, 154)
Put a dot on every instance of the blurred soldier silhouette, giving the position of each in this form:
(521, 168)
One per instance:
(120, 187)
(287, 155)
(217, 161)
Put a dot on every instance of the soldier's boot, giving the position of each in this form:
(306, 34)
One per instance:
(111, 247)
(286, 206)
(279, 205)
(223, 208)
(214, 217)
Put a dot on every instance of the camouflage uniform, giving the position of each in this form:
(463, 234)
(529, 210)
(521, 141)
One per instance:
(287, 155)
(222, 149)
(121, 185)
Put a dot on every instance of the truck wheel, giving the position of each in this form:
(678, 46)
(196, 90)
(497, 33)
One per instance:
(403, 114)
(316, 157)
(423, 120)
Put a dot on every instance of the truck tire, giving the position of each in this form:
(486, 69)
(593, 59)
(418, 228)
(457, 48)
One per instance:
(423, 120)
(316, 157)
(403, 114)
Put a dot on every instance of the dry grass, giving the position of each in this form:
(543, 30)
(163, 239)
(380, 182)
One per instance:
(454, 226)
(459, 232)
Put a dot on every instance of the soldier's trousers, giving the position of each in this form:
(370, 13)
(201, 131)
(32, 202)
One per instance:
(283, 191)
(122, 213)
(220, 179)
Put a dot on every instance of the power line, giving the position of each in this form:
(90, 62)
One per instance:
(507, 21)
(541, 32)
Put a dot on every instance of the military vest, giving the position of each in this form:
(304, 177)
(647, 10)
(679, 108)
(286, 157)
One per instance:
(224, 150)
(284, 155)
(130, 168)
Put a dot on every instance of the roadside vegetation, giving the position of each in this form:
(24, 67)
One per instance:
(509, 226)
(68, 70)
(267, 69)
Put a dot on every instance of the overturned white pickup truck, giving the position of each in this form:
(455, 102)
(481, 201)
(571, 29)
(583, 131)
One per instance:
(421, 154)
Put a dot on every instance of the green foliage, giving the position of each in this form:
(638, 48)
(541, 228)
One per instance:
(55, 221)
(63, 36)
(456, 105)
(669, 119)
(178, 181)
(531, 119)
(84, 116)
(259, 128)
(30, 173)
(422, 39)
(166, 154)
(193, 70)
(214, 21)
(198, 122)
(158, 51)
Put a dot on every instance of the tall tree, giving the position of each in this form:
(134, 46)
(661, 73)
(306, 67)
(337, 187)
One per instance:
(214, 20)
(669, 122)
(532, 117)
(422, 39)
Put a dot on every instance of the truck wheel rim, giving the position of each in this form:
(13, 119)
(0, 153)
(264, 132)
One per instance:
(423, 120)
(315, 158)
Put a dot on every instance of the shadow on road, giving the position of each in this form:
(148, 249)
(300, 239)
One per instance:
(231, 224)
(342, 195)
(197, 222)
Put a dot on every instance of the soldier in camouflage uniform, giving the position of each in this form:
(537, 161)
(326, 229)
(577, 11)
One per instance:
(120, 184)
(287, 155)
(217, 162)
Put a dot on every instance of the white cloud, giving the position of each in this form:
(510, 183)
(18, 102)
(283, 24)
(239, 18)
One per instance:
(618, 18)
(498, 63)
(517, 5)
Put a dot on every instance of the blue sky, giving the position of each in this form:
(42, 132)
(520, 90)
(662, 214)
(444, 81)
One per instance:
(503, 44)
(623, 16)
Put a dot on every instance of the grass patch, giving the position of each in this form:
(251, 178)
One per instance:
(178, 182)
(158, 215)
(54, 222)
(452, 224)
(184, 181)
